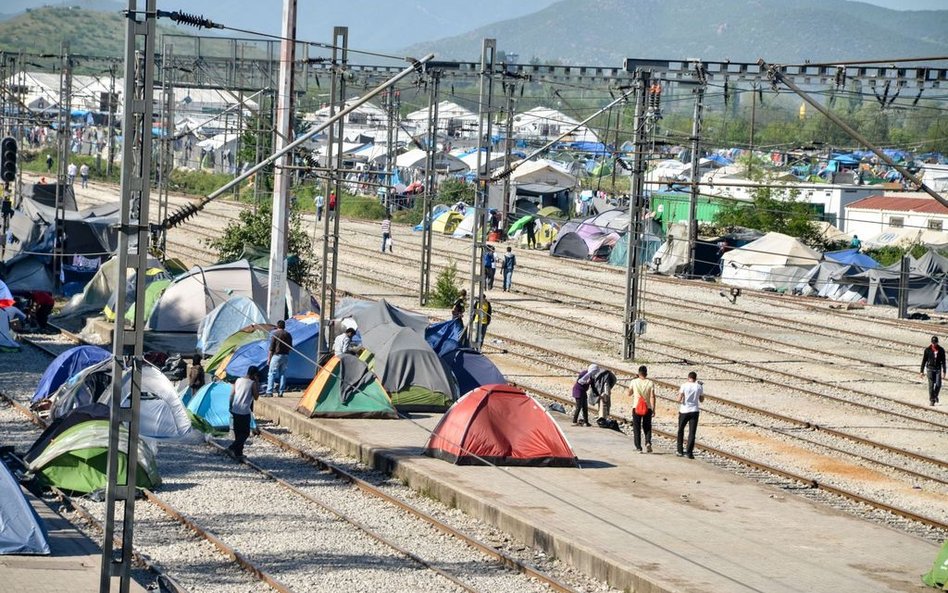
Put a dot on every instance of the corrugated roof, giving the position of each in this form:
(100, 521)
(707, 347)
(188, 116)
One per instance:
(897, 204)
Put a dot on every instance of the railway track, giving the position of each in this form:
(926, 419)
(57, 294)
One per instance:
(935, 476)
(321, 465)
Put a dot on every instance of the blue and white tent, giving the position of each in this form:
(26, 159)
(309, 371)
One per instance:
(212, 404)
(21, 531)
(66, 365)
(301, 368)
(228, 317)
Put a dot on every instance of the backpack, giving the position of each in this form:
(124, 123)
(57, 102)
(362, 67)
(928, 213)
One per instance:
(609, 423)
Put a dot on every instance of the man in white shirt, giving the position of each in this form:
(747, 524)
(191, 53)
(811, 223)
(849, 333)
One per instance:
(242, 395)
(689, 396)
(320, 200)
(71, 171)
(343, 342)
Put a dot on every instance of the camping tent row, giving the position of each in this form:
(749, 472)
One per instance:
(181, 305)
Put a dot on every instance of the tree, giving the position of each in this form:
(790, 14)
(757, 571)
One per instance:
(446, 289)
(250, 234)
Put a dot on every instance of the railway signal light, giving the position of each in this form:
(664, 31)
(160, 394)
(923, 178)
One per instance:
(8, 160)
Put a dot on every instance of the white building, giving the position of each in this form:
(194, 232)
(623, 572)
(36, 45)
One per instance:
(454, 121)
(832, 198)
(918, 218)
(543, 123)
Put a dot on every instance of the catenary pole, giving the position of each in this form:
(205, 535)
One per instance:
(431, 146)
(127, 348)
(695, 172)
(636, 199)
(276, 286)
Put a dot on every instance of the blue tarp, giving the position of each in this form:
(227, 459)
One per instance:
(66, 365)
(472, 369)
(445, 337)
(299, 371)
(596, 148)
(212, 404)
(720, 160)
(852, 257)
(21, 531)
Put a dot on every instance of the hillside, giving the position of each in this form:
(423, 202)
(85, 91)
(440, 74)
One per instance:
(88, 31)
(606, 31)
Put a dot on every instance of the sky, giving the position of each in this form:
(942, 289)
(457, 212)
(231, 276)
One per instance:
(374, 24)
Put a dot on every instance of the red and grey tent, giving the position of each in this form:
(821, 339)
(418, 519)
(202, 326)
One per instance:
(6, 298)
(500, 424)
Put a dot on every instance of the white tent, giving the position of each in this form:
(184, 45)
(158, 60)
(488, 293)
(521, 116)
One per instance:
(226, 319)
(416, 159)
(546, 123)
(773, 262)
(543, 172)
(906, 237)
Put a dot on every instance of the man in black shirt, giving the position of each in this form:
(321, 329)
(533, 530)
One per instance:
(281, 342)
(933, 366)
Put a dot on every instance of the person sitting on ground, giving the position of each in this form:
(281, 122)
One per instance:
(242, 395)
(196, 374)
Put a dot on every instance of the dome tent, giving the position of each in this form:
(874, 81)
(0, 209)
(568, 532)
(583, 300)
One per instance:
(227, 318)
(21, 530)
(226, 349)
(67, 365)
(300, 368)
(344, 387)
(472, 369)
(500, 424)
(211, 407)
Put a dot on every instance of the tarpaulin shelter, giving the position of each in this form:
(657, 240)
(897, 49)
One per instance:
(195, 294)
(852, 257)
(227, 318)
(773, 262)
(101, 290)
(502, 425)
(76, 459)
(226, 349)
(472, 369)
(66, 365)
(344, 387)
(446, 336)
(21, 530)
(300, 367)
(829, 279)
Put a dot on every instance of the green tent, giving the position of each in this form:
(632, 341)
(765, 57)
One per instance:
(346, 388)
(601, 170)
(937, 577)
(521, 222)
(421, 399)
(152, 293)
(77, 459)
(251, 333)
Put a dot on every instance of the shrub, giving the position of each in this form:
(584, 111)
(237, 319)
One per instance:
(446, 290)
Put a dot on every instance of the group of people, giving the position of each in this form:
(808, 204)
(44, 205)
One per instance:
(597, 383)
(490, 267)
(71, 171)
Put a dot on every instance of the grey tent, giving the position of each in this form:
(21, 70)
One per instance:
(830, 280)
(881, 287)
(192, 296)
(21, 530)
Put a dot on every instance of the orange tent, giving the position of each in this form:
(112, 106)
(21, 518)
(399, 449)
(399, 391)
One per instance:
(499, 424)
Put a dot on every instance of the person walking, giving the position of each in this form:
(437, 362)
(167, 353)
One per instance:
(531, 234)
(457, 310)
(510, 262)
(581, 395)
(242, 395)
(320, 201)
(196, 374)
(281, 342)
(84, 175)
(933, 367)
(332, 206)
(642, 392)
(49, 163)
(387, 233)
(690, 395)
(71, 172)
(489, 267)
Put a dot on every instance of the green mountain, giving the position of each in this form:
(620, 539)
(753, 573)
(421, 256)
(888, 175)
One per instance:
(603, 32)
(90, 32)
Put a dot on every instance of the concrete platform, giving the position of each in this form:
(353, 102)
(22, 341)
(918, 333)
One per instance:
(643, 523)
(72, 566)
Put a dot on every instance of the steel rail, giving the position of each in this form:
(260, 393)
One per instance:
(500, 557)
(745, 407)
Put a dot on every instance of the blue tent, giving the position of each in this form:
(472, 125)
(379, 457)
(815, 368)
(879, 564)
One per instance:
(21, 531)
(299, 371)
(66, 365)
(852, 257)
(445, 337)
(472, 369)
(436, 211)
(212, 404)
(720, 160)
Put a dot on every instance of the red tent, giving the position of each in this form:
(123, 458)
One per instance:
(502, 425)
